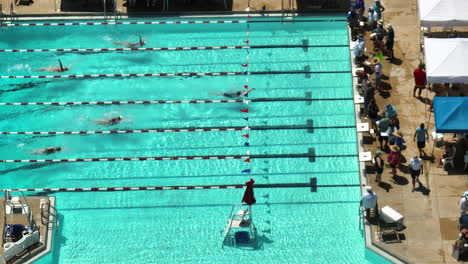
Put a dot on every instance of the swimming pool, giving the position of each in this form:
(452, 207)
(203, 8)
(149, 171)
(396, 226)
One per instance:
(286, 63)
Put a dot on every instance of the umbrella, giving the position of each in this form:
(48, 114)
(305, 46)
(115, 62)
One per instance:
(464, 221)
(249, 197)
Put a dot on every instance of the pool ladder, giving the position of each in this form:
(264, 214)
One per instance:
(7, 18)
(287, 13)
(112, 15)
(49, 215)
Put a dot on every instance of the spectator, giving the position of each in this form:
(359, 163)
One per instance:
(378, 35)
(353, 23)
(383, 125)
(378, 166)
(378, 8)
(390, 111)
(359, 48)
(419, 79)
(360, 7)
(369, 201)
(368, 96)
(394, 159)
(464, 203)
(373, 113)
(377, 73)
(416, 168)
(389, 43)
(399, 140)
(395, 122)
(372, 18)
(420, 136)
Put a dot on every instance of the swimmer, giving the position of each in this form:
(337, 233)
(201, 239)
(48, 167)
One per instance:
(234, 94)
(113, 121)
(47, 151)
(127, 44)
(54, 69)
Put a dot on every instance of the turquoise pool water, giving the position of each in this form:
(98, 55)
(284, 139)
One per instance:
(294, 225)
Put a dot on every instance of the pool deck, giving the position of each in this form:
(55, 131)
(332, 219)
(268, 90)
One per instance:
(431, 213)
(75, 7)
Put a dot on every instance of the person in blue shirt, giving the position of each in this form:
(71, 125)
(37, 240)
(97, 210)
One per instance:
(390, 111)
(378, 8)
(420, 136)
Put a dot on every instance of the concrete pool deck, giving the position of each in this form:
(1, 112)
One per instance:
(430, 216)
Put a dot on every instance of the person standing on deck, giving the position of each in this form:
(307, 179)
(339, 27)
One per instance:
(420, 136)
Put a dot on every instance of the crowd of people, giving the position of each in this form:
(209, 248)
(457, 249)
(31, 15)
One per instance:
(385, 123)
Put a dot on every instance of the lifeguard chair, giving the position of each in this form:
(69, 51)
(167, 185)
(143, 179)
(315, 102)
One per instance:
(239, 229)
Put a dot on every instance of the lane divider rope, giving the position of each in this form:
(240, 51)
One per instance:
(163, 22)
(174, 48)
(246, 101)
(130, 102)
(199, 129)
(166, 74)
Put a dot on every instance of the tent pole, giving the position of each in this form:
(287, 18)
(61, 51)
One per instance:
(433, 145)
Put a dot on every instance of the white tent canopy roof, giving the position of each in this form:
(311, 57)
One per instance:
(443, 13)
(446, 60)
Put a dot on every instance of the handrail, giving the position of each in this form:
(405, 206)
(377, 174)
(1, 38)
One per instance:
(105, 11)
(115, 9)
(12, 13)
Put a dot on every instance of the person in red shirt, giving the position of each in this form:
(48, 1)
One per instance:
(419, 79)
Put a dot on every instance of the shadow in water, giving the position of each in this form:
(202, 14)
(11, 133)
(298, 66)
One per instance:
(28, 167)
(116, 207)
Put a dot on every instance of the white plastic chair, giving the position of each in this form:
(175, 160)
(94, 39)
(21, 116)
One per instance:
(437, 137)
(449, 160)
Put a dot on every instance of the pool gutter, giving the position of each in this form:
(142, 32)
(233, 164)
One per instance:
(98, 16)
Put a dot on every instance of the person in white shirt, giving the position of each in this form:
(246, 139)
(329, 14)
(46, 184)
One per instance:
(372, 19)
(359, 48)
(369, 201)
(464, 203)
(416, 168)
(377, 66)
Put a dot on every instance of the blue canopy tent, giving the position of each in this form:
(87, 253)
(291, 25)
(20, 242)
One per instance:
(451, 114)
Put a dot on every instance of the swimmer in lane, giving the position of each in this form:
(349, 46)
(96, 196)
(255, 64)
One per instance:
(127, 44)
(54, 69)
(47, 151)
(110, 122)
(234, 94)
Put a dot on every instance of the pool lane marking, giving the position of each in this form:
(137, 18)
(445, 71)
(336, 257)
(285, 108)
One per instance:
(195, 187)
(167, 74)
(165, 22)
(246, 101)
(199, 129)
(174, 48)
(246, 158)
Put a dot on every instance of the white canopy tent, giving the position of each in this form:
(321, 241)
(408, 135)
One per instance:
(446, 60)
(443, 13)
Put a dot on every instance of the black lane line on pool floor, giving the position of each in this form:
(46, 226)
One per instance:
(182, 74)
(309, 126)
(310, 155)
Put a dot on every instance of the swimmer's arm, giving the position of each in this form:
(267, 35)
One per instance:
(61, 65)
